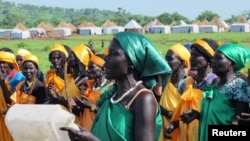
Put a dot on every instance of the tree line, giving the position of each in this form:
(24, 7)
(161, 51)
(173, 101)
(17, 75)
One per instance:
(31, 15)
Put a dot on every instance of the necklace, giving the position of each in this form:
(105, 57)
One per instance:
(124, 94)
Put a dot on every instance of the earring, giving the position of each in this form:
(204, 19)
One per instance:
(229, 69)
(131, 67)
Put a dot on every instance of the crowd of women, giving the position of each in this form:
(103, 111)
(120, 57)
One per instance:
(130, 92)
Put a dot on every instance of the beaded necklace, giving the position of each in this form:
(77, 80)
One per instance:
(124, 94)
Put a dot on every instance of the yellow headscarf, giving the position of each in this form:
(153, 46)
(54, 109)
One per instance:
(23, 52)
(182, 52)
(32, 58)
(59, 47)
(206, 46)
(84, 54)
(10, 58)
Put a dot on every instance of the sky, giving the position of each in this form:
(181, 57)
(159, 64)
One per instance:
(188, 8)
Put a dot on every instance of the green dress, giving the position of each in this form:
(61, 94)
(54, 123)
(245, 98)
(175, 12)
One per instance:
(113, 122)
(216, 106)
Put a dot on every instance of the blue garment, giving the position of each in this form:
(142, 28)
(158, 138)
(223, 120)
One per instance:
(18, 77)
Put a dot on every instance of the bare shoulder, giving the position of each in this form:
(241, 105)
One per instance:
(145, 98)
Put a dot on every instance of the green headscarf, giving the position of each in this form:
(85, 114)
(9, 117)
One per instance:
(237, 53)
(144, 56)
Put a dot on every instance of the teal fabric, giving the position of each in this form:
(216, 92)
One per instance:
(237, 53)
(144, 56)
(114, 122)
(216, 109)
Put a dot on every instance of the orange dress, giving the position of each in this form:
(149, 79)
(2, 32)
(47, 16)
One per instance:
(4, 132)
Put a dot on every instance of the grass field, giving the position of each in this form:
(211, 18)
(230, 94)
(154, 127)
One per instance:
(41, 47)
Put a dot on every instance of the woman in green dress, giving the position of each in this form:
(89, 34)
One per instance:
(226, 98)
(128, 110)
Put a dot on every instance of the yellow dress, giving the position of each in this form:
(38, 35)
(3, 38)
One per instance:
(169, 100)
(52, 77)
(4, 132)
(19, 97)
(190, 99)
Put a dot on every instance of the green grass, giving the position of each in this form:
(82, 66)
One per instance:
(41, 47)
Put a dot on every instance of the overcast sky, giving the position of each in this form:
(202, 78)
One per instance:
(188, 8)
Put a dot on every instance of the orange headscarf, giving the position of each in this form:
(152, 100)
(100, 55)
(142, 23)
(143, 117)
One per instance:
(10, 58)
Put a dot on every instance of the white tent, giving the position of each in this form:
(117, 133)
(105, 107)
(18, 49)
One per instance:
(240, 27)
(61, 31)
(5, 32)
(182, 22)
(225, 24)
(193, 28)
(36, 31)
(132, 25)
(112, 29)
(160, 29)
(208, 28)
(19, 34)
(90, 31)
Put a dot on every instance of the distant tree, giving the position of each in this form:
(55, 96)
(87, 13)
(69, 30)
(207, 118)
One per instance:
(165, 18)
(246, 14)
(232, 19)
(207, 15)
(10, 21)
(138, 18)
(178, 17)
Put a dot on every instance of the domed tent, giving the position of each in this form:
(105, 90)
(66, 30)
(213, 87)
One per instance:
(133, 26)
(157, 27)
(89, 28)
(110, 27)
(218, 23)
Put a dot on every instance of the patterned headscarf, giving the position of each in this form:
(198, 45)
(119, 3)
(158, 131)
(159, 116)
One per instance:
(10, 58)
(239, 54)
(144, 56)
(182, 52)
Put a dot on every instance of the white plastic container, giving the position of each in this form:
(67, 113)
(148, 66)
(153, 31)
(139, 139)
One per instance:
(32, 122)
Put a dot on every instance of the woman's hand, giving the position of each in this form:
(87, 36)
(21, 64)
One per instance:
(170, 128)
(244, 119)
(79, 135)
(189, 116)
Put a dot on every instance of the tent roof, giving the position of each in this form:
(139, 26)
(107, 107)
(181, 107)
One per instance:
(242, 20)
(72, 27)
(205, 22)
(86, 24)
(20, 26)
(156, 22)
(62, 24)
(174, 23)
(216, 21)
(108, 23)
(132, 24)
(198, 22)
(44, 26)
(225, 24)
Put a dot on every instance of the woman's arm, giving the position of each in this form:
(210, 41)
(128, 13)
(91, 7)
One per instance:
(6, 92)
(145, 109)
